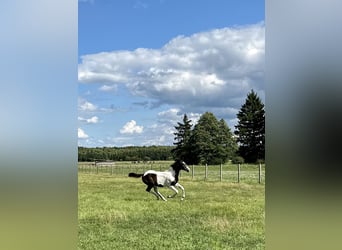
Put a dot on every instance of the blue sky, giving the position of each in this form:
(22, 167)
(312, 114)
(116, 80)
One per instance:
(143, 64)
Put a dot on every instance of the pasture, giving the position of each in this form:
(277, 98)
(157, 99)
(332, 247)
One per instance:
(115, 212)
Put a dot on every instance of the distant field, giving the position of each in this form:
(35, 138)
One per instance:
(115, 212)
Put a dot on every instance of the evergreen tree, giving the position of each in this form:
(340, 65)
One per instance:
(204, 138)
(227, 146)
(212, 140)
(182, 137)
(250, 129)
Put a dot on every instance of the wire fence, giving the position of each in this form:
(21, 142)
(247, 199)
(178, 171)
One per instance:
(246, 173)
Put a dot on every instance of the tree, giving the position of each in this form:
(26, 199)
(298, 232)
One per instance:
(212, 141)
(227, 146)
(250, 129)
(182, 137)
(204, 138)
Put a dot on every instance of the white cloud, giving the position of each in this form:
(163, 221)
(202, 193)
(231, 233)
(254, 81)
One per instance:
(170, 116)
(82, 134)
(131, 127)
(158, 134)
(207, 69)
(84, 105)
(194, 117)
(162, 132)
(92, 120)
(174, 115)
(86, 108)
(109, 88)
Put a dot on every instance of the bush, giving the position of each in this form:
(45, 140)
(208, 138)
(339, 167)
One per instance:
(238, 160)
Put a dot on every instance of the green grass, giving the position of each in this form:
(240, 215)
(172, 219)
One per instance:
(115, 212)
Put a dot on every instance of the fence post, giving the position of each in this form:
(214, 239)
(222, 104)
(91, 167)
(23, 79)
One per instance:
(206, 171)
(259, 173)
(239, 173)
(221, 172)
(193, 171)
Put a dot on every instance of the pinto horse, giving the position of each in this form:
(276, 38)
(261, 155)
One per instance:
(154, 179)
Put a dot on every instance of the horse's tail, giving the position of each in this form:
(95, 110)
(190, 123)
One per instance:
(135, 175)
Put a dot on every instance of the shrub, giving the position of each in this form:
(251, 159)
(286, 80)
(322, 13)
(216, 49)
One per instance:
(238, 160)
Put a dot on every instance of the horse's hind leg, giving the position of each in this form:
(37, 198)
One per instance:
(148, 189)
(159, 194)
(152, 192)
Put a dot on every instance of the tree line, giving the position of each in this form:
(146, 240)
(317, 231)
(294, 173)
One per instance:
(131, 153)
(209, 141)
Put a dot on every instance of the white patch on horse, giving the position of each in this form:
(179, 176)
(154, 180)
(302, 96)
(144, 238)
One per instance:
(163, 178)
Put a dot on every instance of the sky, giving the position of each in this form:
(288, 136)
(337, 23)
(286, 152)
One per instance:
(143, 64)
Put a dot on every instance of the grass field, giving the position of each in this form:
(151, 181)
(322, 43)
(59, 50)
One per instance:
(115, 212)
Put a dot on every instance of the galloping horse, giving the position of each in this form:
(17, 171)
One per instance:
(154, 179)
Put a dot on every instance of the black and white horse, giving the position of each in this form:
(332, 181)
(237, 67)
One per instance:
(154, 179)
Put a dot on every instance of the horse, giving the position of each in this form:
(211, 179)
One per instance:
(154, 179)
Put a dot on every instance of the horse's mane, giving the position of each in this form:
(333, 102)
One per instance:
(176, 169)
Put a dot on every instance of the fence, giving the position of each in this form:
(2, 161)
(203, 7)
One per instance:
(247, 173)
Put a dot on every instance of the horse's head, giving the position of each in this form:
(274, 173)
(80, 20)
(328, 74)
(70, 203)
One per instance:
(181, 165)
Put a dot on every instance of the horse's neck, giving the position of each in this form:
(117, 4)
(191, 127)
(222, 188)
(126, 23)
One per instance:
(174, 172)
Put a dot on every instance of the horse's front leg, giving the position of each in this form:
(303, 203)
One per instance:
(175, 190)
(183, 190)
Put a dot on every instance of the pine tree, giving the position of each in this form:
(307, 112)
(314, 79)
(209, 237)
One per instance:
(227, 146)
(182, 136)
(204, 138)
(250, 129)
